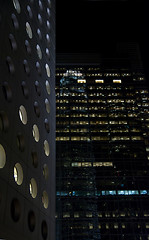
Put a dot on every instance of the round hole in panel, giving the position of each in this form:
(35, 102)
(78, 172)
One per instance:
(29, 30)
(10, 65)
(44, 230)
(38, 67)
(35, 133)
(25, 89)
(15, 210)
(46, 148)
(17, 6)
(33, 188)
(28, 47)
(48, 38)
(13, 42)
(31, 221)
(2, 156)
(40, 5)
(49, 2)
(45, 199)
(48, 53)
(34, 159)
(29, 11)
(47, 126)
(39, 33)
(48, 87)
(20, 142)
(26, 66)
(39, 53)
(48, 24)
(47, 105)
(48, 12)
(4, 122)
(37, 109)
(47, 70)
(37, 87)
(39, 18)
(45, 171)
(15, 21)
(23, 114)
(18, 173)
(7, 91)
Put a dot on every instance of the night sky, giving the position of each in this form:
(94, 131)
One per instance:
(97, 26)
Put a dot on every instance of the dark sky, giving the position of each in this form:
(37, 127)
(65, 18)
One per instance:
(97, 26)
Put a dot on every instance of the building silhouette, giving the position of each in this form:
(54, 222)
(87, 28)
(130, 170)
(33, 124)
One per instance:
(102, 146)
(27, 119)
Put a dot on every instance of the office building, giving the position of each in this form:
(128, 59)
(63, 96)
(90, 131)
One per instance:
(27, 119)
(102, 146)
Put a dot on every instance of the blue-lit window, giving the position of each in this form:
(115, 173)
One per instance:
(143, 192)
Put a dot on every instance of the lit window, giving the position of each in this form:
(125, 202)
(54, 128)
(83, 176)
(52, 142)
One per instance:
(66, 214)
(81, 81)
(117, 81)
(99, 81)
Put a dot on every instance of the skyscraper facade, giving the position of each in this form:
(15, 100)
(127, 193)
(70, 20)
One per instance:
(27, 119)
(102, 148)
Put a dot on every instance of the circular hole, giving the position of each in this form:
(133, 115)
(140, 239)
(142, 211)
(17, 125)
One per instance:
(40, 5)
(48, 38)
(48, 53)
(20, 142)
(18, 173)
(44, 230)
(10, 65)
(7, 91)
(15, 210)
(47, 70)
(47, 126)
(48, 12)
(15, 21)
(31, 221)
(34, 159)
(35, 133)
(29, 30)
(37, 109)
(4, 122)
(39, 53)
(47, 105)
(45, 199)
(23, 114)
(39, 33)
(33, 188)
(38, 67)
(25, 89)
(2, 156)
(17, 6)
(48, 87)
(29, 11)
(45, 171)
(37, 87)
(49, 2)
(46, 148)
(39, 18)
(48, 24)
(28, 47)
(13, 42)
(26, 66)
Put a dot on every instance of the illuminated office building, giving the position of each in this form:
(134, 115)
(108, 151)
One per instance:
(27, 119)
(102, 149)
